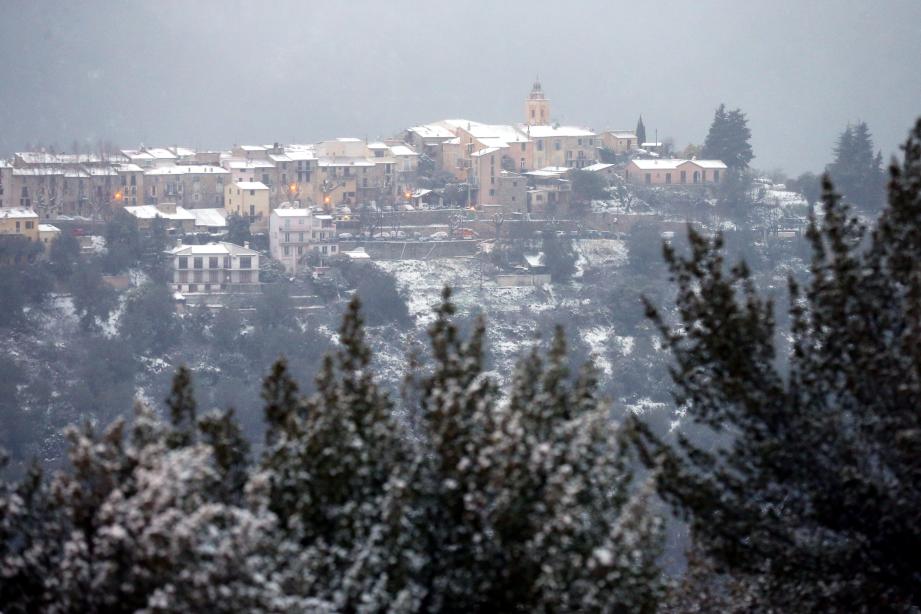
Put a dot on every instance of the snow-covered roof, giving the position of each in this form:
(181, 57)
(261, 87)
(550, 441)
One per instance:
(599, 166)
(183, 152)
(39, 171)
(279, 157)
(540, 132)
(291, 212)
(129, 168)
(710, 163)
(345, 161)
(358, 253)
(651, 144)
(623, 134)
(378, 145)
(549, 171)
(484, 152)
(402, 150)
(17, 213)
(48, 228)
(244, 164)
(658, 165)
(221, 248)
(432, 131)
(534, 260)
(251, 185)
(149, 212)
(673, 163)
(301, 154)
(187, 170)
(252, 147)
(209, 218)
(160, 154)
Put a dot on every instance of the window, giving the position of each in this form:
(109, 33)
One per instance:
(193, 288)
(252, 211)
(668, 178)
(532, 113)
(703, 176)
(183, 262)
(323, 249)
(199, 276)
(540, 145)
(684, 176)
(213, 276)
(212, 262)
(286, 250)
(226, 262)
(648, 178)
(197, 262)
(716, 176)
(523, 145)
(246, 262)
(557, 145)
(29, 225)
(287, 237)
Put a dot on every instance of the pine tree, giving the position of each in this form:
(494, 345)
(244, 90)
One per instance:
(808, 490)
(729, 139)
(182, 409)
(856, 171)
(640, 132)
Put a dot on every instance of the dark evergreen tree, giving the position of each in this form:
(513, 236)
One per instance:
(559, 256)
(93, 299)
(123, 243)
(856, 170)
(64, 256)
(640, 132)
(238, 229)
(809, 487)
(729, 139)
(149, 321)
(182, 410)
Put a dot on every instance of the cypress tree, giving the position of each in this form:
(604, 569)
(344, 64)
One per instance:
(640, 132)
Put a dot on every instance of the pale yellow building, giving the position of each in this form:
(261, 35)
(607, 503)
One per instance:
(19, 221)
(249, 199)
(619, 141)
(675, 172)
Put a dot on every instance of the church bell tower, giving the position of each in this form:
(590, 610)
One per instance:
(537, 107)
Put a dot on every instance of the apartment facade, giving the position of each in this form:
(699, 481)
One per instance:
(249, 199)
(189, 186)
(215, 267)
(294, 233)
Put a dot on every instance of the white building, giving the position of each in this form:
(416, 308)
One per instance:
(215, 267)
(294, 233)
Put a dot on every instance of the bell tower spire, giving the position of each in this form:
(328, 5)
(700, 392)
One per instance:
(537, 106)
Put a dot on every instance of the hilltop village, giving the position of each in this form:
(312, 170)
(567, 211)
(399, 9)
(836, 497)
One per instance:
(450, 188)
(116, 265)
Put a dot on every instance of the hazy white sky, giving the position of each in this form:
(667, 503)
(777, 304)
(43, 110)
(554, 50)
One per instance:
(210, 74)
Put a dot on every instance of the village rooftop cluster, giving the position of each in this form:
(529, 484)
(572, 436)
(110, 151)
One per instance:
(315, 201)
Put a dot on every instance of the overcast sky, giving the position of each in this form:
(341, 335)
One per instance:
(211, 74)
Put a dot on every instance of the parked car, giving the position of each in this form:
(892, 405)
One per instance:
(345, 235)
(439, 236)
